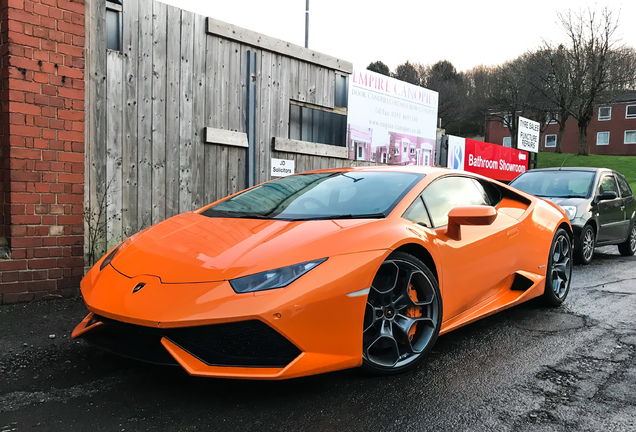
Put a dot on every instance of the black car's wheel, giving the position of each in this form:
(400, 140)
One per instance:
(559, 270)
(628, 247)
(584, 249)
(403, 315)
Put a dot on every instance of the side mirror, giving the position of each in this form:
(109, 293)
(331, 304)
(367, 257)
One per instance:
(607, 195)
(468, 215)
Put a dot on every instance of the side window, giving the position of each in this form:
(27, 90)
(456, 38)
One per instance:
(626, 191)
(444, 194)
(417, 213)
(608, 184)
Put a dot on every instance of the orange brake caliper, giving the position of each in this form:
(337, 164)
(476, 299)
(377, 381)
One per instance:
(413, 311)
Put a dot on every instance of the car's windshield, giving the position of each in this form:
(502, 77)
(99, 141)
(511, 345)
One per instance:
(333, 195)
(557, 183)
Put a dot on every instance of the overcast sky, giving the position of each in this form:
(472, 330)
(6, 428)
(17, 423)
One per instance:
(467, 33)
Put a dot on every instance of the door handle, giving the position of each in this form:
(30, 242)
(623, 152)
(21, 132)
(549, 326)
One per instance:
(622, 207)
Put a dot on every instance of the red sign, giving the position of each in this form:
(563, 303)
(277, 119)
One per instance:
(494, 161)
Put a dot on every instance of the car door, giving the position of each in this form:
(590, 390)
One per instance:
(611, 213)
(475, 267)
(629, 203)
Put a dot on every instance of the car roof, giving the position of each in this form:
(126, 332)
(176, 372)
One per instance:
(589, 169)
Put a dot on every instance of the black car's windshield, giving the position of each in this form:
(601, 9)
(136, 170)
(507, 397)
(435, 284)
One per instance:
(334, 195)
(557, 183)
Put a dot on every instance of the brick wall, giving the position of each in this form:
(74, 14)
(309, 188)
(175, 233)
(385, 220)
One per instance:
(617, 125)
(42, 147)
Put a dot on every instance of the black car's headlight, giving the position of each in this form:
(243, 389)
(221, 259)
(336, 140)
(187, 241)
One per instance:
(110, 257)
(570, 211)
(271, 279)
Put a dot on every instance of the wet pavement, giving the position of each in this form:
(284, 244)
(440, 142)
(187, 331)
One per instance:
(530, 368)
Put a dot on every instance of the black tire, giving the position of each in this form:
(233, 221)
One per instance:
(584, 246)
(628, 247)
(403, 315)
(559, 269)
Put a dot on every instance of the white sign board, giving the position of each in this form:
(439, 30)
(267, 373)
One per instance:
(282, 167)
(456, 152)
(528, 135)
(390, 121)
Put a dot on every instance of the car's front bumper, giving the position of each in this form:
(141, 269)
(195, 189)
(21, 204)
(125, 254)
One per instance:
(311, 326)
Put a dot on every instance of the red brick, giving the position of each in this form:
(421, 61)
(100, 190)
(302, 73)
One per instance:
(26, 131)
(23, 16)
(16, 4)
(74, 29)
(22, 198)
(42, 263)
(55, 273)
(27, 176)
(18, 119)
(10, 276)
(41, 9)
(12, 265)
(18, 254)
(22, 39)
(11, 291)
(46, 285)
(23, 85)
(26, 220)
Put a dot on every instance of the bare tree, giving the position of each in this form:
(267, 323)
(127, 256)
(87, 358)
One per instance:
(512, 95)
(588, 59)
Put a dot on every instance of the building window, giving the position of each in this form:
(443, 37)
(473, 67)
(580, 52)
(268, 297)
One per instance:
(507, 120)
(550, 140)
(551, 118)
(630, 111)
(341, 98)
(630, 137)
(507, 142)
(113, 25)
(602, 138)
(316, 124)
(605, 113)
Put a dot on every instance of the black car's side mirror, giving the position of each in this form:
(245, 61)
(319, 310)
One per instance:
(607, 195)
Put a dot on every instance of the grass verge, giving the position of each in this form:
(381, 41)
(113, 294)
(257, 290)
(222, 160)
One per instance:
(625, 165)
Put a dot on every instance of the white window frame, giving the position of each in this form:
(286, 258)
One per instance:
(627, 115)
(551, 118)
(509, 140)
(546, 141)
(507, 120)
(608, 116)
(625, 137)
(598, 134)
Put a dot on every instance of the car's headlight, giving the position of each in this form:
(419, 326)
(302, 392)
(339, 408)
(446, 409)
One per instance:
(110, 257)
(272, 279)
(570, 211)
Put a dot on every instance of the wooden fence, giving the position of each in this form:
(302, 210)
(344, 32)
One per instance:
(149, 105)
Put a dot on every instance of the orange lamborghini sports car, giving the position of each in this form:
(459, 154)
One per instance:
(326, 270)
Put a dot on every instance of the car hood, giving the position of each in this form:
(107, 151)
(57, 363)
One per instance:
(566, 201)
(191, 248)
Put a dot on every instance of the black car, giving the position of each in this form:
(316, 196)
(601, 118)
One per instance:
(598, 201)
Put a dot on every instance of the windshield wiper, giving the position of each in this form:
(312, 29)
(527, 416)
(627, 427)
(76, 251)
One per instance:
(346, 216)
(230, 214)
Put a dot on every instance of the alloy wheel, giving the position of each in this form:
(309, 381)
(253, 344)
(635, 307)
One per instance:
(402, 315)
(588, 244)
(561, 265)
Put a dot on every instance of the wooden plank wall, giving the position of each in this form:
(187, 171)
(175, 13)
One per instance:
(146, 150)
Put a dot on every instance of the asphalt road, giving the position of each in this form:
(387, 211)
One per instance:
(530, 368)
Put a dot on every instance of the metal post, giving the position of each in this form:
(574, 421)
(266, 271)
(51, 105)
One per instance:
(251, 117)
(307, 24)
